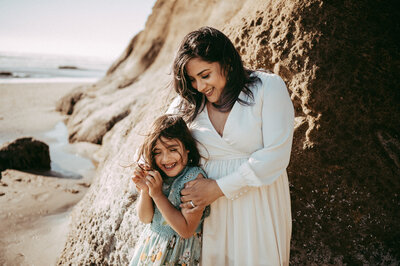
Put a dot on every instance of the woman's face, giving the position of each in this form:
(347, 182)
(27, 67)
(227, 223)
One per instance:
(207, 78)
(170, 156)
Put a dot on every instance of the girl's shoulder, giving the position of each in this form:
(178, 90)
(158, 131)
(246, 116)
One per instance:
(190, 174)
(193, 172)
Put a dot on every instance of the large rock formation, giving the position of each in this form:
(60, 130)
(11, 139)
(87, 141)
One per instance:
(24, 154)
(340, 60)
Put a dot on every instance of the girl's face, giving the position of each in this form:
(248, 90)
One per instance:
(207, 78)
(170, 156)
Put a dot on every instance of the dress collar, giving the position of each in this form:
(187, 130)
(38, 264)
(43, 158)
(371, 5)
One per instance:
(169, 180)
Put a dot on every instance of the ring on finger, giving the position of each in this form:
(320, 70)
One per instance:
(191, 203)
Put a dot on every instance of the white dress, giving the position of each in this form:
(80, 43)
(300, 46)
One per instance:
(252, 224)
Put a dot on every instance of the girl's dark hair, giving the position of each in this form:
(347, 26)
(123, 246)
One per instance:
(171, 127)
(210, 45)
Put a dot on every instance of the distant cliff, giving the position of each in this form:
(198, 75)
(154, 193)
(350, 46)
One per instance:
(340, 60)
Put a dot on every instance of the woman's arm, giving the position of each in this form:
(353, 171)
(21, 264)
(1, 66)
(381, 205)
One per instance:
(265, 165)
(184, 223)
(202, 192)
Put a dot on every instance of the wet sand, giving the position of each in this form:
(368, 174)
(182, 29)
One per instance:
(35, 207)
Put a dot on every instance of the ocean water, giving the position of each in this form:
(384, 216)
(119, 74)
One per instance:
(33, 68)
(18, 67)
(64, 161)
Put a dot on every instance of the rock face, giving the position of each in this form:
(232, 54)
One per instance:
(24, 154)
(340, 60)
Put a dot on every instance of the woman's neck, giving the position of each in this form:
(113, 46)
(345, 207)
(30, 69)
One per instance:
(212, 106)
(217, 118)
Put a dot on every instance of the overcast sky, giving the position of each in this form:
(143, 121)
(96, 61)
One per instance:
(100, 28)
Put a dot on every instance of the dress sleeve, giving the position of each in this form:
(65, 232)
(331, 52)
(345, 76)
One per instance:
(173, 107)
(267, 164)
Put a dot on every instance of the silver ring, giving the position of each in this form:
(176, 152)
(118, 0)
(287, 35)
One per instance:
(191, 203)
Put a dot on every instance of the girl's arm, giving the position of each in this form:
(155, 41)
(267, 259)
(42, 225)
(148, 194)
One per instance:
(184, 223)
(145, 206)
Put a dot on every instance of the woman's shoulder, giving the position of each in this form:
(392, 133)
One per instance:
(174, 105)
(267, 82)
(265, 76)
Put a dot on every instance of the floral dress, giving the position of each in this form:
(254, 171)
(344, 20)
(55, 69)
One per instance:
(159, 244)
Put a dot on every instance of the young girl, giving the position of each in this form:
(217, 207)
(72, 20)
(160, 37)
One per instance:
(171, 158)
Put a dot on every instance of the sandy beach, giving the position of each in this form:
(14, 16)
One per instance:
(34, 208)
(28, 108)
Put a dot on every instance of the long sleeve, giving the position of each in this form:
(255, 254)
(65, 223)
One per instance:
(265, 165)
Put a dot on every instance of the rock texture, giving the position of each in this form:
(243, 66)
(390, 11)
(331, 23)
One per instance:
(340, 60)
(24, 154)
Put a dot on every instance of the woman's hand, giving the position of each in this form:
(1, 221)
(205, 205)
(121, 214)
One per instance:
(201, 192)
(154, 182)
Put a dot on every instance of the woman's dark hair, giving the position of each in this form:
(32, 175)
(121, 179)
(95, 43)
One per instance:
(171, 127)
(210, 45)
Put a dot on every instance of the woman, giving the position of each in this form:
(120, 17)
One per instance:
(244, 122)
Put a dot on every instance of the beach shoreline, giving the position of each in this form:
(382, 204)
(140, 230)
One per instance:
(29, 108)
(35, 208)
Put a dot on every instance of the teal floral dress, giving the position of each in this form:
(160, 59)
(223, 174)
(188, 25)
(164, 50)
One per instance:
(159, 244)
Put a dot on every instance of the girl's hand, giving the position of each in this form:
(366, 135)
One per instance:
(139, 178)
(140, 184)
(201, 192)
(154, 182)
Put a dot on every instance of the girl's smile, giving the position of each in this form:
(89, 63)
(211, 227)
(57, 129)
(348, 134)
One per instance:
(170, 156)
